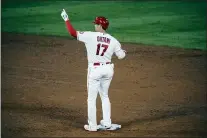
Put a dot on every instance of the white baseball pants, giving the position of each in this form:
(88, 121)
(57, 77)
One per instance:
(98, 80)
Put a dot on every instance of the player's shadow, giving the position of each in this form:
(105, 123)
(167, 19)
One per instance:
(163, 114)
(67, 116)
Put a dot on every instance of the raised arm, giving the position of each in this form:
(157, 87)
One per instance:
(69, 26)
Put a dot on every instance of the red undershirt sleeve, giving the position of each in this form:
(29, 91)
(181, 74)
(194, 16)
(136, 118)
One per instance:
(70, 29)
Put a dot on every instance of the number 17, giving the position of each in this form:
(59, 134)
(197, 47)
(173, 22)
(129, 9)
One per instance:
(104, 50)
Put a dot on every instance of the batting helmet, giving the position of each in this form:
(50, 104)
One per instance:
(103, 21)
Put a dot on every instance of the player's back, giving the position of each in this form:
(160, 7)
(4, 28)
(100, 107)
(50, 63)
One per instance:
(100, 46)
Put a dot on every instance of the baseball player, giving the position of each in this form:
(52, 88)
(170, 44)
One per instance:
(100, 48)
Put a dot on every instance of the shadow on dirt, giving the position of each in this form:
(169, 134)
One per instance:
(177, 112)
(68, 117)
(51, 112)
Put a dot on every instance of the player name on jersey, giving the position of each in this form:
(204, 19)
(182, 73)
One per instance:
(103, 39)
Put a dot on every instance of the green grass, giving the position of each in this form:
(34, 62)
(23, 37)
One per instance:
(178, 23)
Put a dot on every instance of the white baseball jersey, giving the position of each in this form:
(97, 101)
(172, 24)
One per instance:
(100, 46)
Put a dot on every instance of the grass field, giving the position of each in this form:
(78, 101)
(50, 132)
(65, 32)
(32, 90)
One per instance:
(179, 23)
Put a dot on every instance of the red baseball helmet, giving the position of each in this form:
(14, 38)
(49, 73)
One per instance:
(103, 21)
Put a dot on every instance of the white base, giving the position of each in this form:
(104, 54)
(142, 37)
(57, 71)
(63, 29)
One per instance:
(113, 127)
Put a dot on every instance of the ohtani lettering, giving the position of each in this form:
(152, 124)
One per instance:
(103, 39)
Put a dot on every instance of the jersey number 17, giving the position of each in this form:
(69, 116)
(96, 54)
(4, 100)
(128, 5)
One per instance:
(105, 47)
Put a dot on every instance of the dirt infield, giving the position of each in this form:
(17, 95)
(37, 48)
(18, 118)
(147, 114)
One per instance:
(156, 91)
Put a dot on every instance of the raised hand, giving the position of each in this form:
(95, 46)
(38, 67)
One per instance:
(64, 15)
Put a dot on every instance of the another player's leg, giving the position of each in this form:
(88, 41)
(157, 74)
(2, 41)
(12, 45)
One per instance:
(106, 105)
(93, 85)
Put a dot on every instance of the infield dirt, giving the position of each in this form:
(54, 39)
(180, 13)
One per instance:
(156, 91)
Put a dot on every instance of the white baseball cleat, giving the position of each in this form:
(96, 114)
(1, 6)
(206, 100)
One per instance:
(105, 126)
(109, 127)
(88, 128)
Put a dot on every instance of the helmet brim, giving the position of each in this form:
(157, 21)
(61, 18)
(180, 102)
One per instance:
(94, 22)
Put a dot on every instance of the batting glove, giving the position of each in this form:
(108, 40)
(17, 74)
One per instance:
(64, 15)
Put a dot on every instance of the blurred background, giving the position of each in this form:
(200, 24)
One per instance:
(167, 23)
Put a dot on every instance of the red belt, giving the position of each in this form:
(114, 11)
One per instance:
(98, 64)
